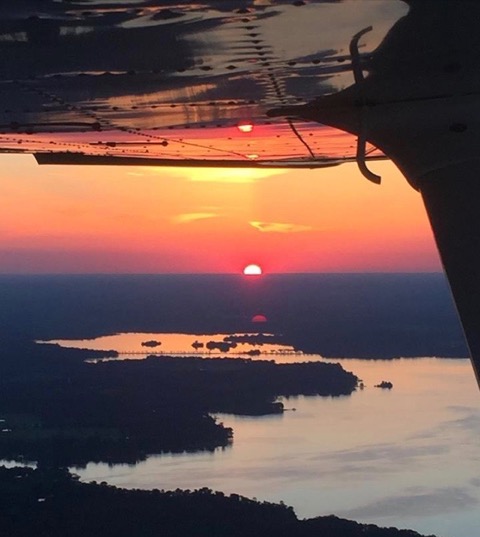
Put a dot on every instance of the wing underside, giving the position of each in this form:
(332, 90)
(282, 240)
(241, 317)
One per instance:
(179, 82)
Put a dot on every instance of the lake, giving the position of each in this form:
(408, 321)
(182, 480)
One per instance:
(407, 457)
(138, 345)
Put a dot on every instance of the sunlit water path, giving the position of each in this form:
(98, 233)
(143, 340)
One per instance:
(408, 457)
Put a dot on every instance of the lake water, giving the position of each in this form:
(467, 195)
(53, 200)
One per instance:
(407, 457)
(137, 345)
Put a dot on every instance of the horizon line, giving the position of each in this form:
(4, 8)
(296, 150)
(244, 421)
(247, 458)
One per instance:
(259, 276)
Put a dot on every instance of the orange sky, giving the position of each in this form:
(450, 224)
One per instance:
(127, 219)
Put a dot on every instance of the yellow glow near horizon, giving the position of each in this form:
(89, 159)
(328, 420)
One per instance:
(219, 175)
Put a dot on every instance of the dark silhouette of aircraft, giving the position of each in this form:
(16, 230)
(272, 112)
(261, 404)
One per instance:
(260, 83)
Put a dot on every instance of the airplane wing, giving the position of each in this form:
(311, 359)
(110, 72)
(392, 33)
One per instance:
(287, 83)
(179, 82)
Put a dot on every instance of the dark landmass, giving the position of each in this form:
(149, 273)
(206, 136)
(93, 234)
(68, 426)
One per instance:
(151, 343)
(61, 411)
(222, 346)
(51, 502)
(334, 315)
(255, 339)
(385, 384)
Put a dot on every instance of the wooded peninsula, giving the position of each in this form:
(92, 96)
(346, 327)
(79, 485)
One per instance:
(53, 503)
(59, 410)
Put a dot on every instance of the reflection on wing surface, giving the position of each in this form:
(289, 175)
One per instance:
(173, 80)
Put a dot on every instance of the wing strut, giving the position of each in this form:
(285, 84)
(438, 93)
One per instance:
(452, 199)
(362, 135)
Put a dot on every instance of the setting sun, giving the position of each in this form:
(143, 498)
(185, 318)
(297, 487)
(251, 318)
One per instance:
(252, 270)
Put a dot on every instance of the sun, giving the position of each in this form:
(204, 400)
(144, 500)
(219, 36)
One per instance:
(252, 270)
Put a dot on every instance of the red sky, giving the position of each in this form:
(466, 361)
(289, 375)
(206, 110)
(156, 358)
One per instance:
(56, 219)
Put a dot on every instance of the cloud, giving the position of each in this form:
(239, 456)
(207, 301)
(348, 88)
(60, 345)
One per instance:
(279, 227)
(187, 218)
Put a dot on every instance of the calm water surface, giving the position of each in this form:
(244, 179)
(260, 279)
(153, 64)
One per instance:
(137, 345)
(409, 457)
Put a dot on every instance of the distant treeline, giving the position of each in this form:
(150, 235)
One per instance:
(334, 315)
(50, 502)
(61, 411)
